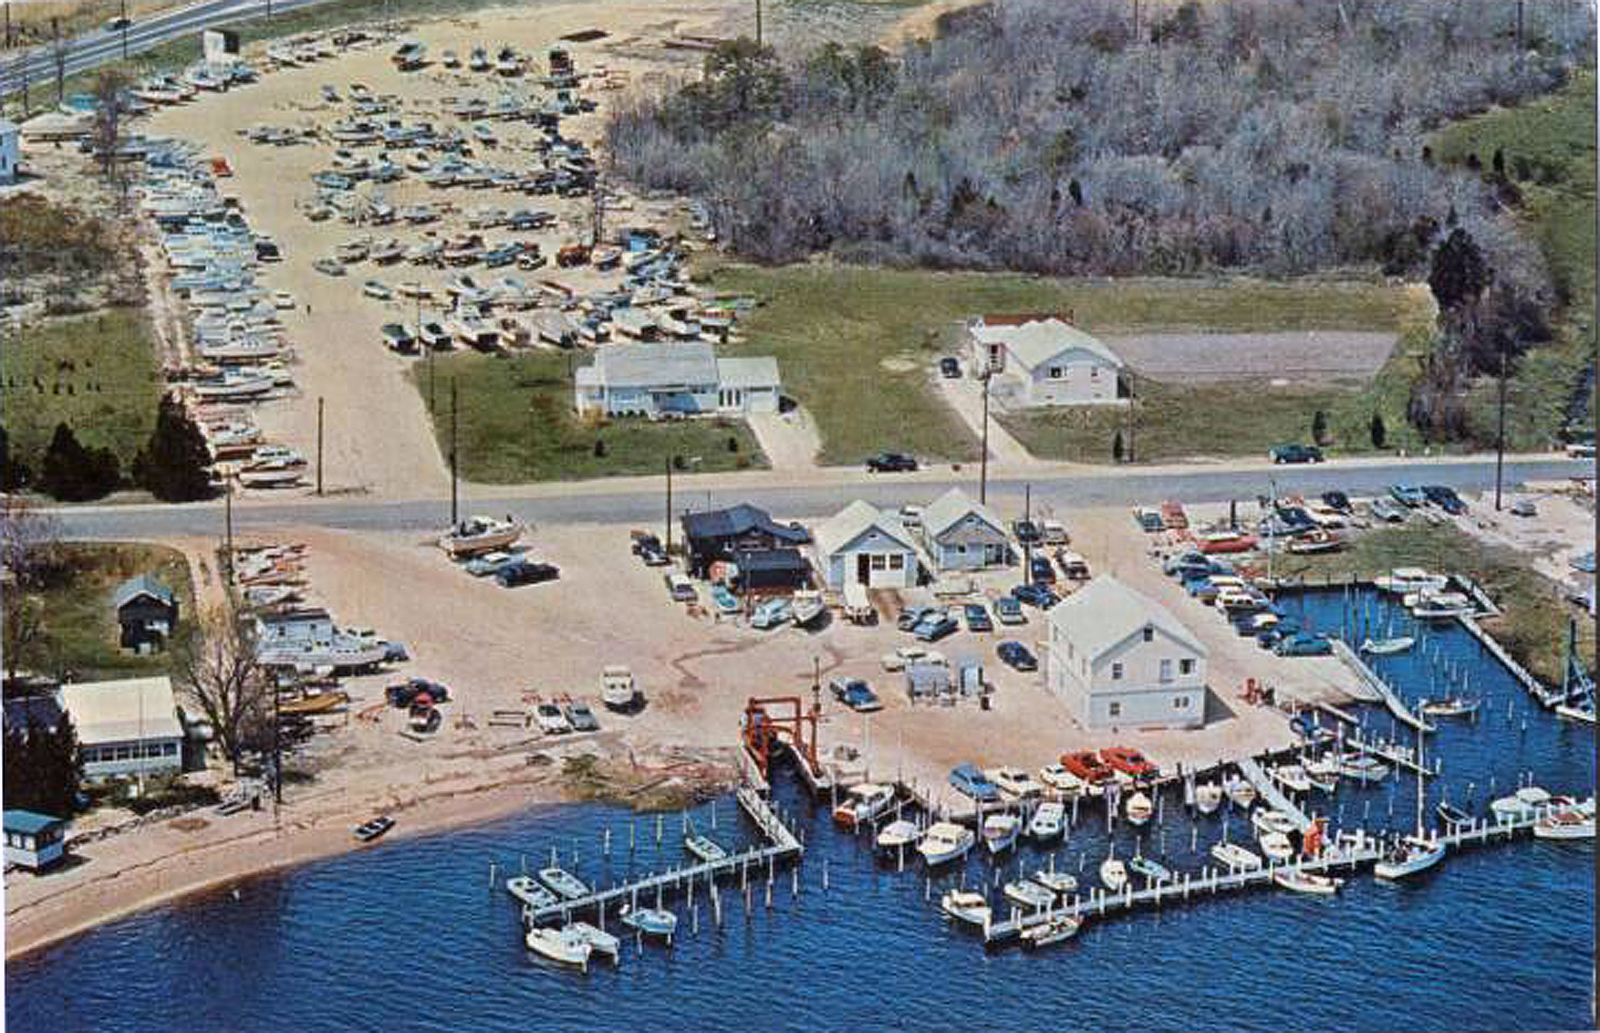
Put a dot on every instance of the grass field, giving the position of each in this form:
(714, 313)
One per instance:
(97, 373)
(855, 346)
(80, 626)
(1534, 625)
(1549, 151)
(515, 423)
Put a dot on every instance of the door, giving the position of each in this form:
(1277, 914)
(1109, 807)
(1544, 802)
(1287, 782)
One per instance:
(864, 568)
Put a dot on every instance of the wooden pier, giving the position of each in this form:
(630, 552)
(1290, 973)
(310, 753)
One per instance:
(1400, 756)
(783, 845)
(1546, 696)
(1257, 776)
(1390, 699)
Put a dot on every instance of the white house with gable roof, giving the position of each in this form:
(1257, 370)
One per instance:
(1037, 360)
(685, 379)
(862, 544)
(960, 533)
(1120, 659)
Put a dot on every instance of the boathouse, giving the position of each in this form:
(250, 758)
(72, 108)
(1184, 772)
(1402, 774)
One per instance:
(34, 841)
(147, 611)
(125, 727)
(1121, 660)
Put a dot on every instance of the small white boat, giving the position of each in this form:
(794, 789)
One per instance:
(862, 804)
(1292, 777)
(1052, 931)
(1450, 706)
(1387, 646)
(1208, 797)
(1404, 580)
(563, 945)
(965, 906)
(1307, 882)
(1272, 821)
(1439, 605)
(1414, 854)
(1028, 894)
(898, 834)
(1139, 808)
(1059, 883)
(1000, 832)
(1153, 871)
(1521, 805)
(1235, 857)
(651, 921)
(807, 606)
(1241, 792)
(1363, 768)
(1570, 822)
(945, 841)
(527, 889)
(1276, 845)
(1048, 822)
(1581, 710)
(563, 883)
(600, 941)
(705, 848)
(480, 534)
(1113, 874)
(1322, 774)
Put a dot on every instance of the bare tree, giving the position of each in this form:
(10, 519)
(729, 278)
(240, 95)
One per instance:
(29, 543)
(58, 51)
(216, 662)
(23, 619)
(108, 95)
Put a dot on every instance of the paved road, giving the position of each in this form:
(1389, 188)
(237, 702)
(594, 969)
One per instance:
(645, 504)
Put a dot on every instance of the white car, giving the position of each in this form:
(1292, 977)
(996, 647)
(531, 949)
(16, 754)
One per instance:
(897, 660)
(1060, 779)
(551, 720)
(1054, 532)
(1014, 782)
(374, 289)
(282, 300)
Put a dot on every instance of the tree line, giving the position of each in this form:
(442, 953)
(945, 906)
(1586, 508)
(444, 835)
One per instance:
(174, 466)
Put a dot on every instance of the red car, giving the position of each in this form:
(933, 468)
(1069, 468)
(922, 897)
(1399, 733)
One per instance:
(1086, 766)
(1129, 761)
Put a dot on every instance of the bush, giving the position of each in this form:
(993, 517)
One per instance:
(733, 443)
(1319, 428)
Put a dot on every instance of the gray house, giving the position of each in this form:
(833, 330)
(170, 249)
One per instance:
(147, 610)
(125, 727)
(959, 533)
(864, 545)
(684, 379)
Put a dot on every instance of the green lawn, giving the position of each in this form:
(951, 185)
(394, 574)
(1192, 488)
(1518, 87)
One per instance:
(856, 345)
(97, 373)
(1549, 152)
(1533, 627)
(80, 626)
(515, 423)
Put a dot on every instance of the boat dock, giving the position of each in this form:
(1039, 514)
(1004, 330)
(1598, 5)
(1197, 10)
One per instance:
(783, 845)
(1257, 776)
(1100, 904)
(1400, 756)
(1546, 696)
(1390, 698)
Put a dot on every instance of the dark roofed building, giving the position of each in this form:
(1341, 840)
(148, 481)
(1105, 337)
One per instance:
(147, 611)
(721, 534)
(771, 570)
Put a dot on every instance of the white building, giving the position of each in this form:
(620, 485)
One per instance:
(686, 379)
(867, 546)
(1037, 360)
(10, 151)
(1118, 659)
(959, 533)
(125, 727)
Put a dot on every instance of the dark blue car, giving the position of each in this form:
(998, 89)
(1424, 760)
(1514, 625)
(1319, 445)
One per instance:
(1016, 656)
(1035, 595)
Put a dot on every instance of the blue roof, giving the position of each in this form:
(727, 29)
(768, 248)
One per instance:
(144, 584)
(30, 821)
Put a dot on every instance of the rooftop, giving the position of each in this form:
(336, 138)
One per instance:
(651, 365)
(1105, 611)
(741, 519)
(950, 507)
(144, 584)
(760, 371)
(852, 521)
(30, 821)
(123, 710)
(1036, 339)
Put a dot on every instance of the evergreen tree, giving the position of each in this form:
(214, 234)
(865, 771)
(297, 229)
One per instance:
(1459, 273)
(1117, 448)
(14, 474)
(175, 466)
(1319, 427)
(1380, 433)
(73, 473)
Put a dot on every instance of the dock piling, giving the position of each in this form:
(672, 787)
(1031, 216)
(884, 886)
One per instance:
(492, 879)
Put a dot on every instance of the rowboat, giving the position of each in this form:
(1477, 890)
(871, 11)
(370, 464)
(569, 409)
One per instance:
(1241, 792)
(1140, 808)
(651, 921)
(965, 906)
(563, 945)
(1000, 832)
(1363, 768)
(1414, 854)
(1307, 882)
(1153, 871)
(366, 832)
(705, 848)
(1060, 883)
(1114, 874)
(1053, 931)
(563, 883)
(1451, 706)
(1048, 822)
(1208, 797)
(1386, 646)
(1235, 857)
(1272, 821)
(943, 842)
(1027, 894)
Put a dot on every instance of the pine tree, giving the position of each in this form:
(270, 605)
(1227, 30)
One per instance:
(175, 466)
(73, 473)
(1319, 427)
(1379, 432)
(1117, 448)
(14, 474)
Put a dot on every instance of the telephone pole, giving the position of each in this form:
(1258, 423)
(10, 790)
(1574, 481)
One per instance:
(227, 517)
(452, 451)
(758, 24)
(983, 467)
(319, 444)
(669, 507)
(1500, 438)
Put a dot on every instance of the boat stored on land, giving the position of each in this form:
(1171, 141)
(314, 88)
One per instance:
(368, 831)
(480, 534)
(618, 691)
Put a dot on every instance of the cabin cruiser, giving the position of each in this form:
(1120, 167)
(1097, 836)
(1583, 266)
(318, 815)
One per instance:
(480, 534)
(945, 841)
(1403, 581)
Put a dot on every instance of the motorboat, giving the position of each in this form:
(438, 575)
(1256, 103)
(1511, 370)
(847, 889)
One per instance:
(1316, 542)
(341, 651)
(1139, 808)
(1322, 774)
(945, 841)
(1276, 845)
(1000, 832)
(862, 804)
(1272, 821)
(1113, 874)
(600, 941)
(1208, 796)
(1292, 777)
(898, 834)
(1412, 855)
(1240, 791)
(1568, 822)
(1235, 857)
(368, 831)
(650, 921)
(1387, 646)
(807, 607)
(563, 883)
(1403, 581)
(618, 691)
(529, 890)
(1440, 605)
(1307, 882)
(1522, 805)
(1451, 706)
(1059, 883)
(1048, 822)
(563, 945)
(1362, 767)
(480, 534)
(1028, 894)
(1153, 871)
(966, 906)
(1054, 930)
(705, 848)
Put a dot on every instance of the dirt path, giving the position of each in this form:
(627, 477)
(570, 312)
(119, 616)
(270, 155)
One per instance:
(965, 396)
(790, 440)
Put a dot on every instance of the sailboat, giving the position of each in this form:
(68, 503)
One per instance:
(1208, 797)
(1387, 646)
(1414, 853)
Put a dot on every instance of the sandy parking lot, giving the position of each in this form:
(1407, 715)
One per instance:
(1303, 356)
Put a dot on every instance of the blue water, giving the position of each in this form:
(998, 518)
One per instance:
(407, 935)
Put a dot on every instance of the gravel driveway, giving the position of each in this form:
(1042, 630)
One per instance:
(1306, 356)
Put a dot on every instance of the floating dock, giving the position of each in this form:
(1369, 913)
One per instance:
(1257, 776)
(1390, 699)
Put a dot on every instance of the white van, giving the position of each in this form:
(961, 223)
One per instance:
(681, 588)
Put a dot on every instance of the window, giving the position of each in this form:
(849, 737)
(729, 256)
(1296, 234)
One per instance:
(1180, 702)
(1115, 709)
(1166, 670)
(879, 561)
(124, 752)
(1149, 633)
(170, 749)
(1055, 372)
(1116, 673)
(897, 562)
(1185, 666)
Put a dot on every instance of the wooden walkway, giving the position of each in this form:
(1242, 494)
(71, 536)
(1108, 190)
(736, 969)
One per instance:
(1546, 696)
(1390, 699)
(783, 845)
(1256, 776)
(1400, 756)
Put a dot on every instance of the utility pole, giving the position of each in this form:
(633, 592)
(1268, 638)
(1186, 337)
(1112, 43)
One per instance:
(123, 25)
(1500, 438)
(1027, 546)
(60, 53)
(1130, 424)
(452, 451)
(758, 24)
(983, 467)
(319, 444)
(669, 506)
(227, 517)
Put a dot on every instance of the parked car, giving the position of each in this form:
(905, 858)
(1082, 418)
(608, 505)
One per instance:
(891, 462)
(1016, 656)
(581, 718)
(1073, 566)
(1055, 532)
(911, 616)
(856, 694)
(1129, 761)
(435, 336)
(936, 625)
(1338, 500)
(1041, 572)
(969, 781)
(328, 266)
(1008, 611)
(374, 289)
(1524, 508)
(772, 613)
(1087, 765)
(1295, 453)
(949, 367)
(977, 617)
(1388, 511)
(681, 588)
(550, 719)
(1035, 595)
(897, 660)
(488, 563)
(405, 693)
(521, 572)
(397, 338)
(1026, 532)
(1407, 495)
(1445, 498)
(1015, 782)
(1303, 643)
(1148, 519)
(282, 300)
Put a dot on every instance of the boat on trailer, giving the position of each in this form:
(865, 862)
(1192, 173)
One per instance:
(480, 534)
